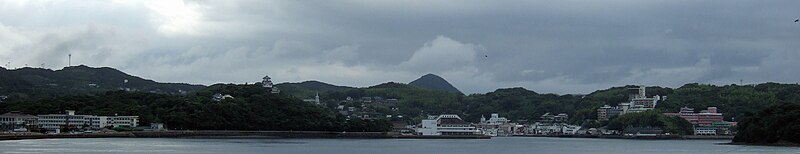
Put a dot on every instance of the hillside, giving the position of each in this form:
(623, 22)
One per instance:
(432, 81)
(308, 89)
(251, 107)
(38, 82)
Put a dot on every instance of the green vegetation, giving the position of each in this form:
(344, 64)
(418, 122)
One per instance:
(252, 108)
(434, 82)
(776, 124)
(654, 119)
(35, 83)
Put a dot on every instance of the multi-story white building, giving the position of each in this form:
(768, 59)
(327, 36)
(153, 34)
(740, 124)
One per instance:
(637, 102)
(71, 120)
(498, 126)
(446, 124)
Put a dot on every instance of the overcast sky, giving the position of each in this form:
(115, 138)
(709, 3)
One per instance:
(549, 46)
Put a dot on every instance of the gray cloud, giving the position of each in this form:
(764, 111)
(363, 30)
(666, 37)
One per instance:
(547, 46)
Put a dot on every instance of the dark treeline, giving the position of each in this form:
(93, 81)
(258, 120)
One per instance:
(252, 108)
(776, 124)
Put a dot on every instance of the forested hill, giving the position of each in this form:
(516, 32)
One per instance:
(38, 82)
(308, 89)
(435, 82)
(251, 107)
(735, 101)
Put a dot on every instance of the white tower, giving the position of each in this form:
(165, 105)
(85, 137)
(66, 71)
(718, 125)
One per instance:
(316, 99)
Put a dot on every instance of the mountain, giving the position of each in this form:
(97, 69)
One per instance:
(39, 82)
(432, 81)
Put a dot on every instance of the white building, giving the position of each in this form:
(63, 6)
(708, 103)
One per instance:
(314, 100)
(446, 124)
(498, 126)
(639, 102)
(71, 120)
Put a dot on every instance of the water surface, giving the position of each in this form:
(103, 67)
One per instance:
(384, 146)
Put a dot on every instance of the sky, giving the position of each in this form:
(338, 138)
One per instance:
(563, 46)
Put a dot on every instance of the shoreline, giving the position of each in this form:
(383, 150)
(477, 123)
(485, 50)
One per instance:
(659, 137)
(776, 144)
(212, 134)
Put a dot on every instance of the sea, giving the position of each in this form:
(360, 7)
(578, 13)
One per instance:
(497, 145)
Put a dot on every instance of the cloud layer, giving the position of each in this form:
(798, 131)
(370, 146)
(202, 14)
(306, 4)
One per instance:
(547, 46)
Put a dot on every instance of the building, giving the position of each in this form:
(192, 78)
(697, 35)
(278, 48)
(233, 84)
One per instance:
(550, 124)
(17, 121)
(266, 82)
(156, 127)
(498, 126)
(550, 118)
(73, 121)
(606, 112)
(446, 124)
(703, 118)
(705, 130)
(314, 100)
(637, 102)
(219, 97)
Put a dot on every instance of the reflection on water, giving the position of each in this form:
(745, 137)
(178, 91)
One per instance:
(399, 146)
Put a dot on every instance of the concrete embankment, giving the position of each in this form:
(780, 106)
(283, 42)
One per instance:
(44, 136)
(237, 134)
(688, 137)
(708, 137)
(262, 134)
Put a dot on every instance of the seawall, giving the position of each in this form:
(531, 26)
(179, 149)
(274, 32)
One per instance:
(237, 134)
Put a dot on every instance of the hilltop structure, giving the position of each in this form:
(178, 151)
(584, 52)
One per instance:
(637, 102)
(266, 82)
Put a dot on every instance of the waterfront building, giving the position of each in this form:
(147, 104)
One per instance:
(550, 124)
(701, 130)
(446, 124)
(17, 121)
(498, 126)
(156, 127)
(71, 120)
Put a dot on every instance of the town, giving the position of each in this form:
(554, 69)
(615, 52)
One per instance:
(707, 122)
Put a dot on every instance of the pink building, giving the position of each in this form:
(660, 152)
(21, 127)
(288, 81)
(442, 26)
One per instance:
(703, 118)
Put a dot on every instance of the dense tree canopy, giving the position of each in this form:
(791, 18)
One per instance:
(252, 108)
(779, 123)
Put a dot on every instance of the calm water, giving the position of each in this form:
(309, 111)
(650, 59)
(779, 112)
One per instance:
(383, 146)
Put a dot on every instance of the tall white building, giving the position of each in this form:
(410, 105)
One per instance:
(71, 120)
(639, 102)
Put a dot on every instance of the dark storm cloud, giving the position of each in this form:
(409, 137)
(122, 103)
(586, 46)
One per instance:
(548, 46)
